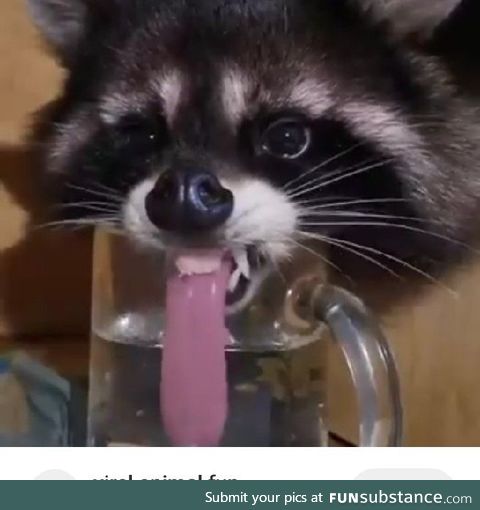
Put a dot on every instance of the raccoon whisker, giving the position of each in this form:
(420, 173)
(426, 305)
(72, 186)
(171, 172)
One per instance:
(344, 246)
(325, 183)
(292, 192)
(410, 119)
(81, 222)
(423, 116)
(341, 243)
(108, 189)
(92, 206)
(358, 214)
(104, 210)
(330, 175)
(399, 226)
(320, 178)
(61, 223)
(416, 122)
(320, 201)
(342, 154)
(233, 226)
(99, 193)
(422, 125)
(83, 203)
(324, 259)
(276, 267)
(327, 205)
(427, 124)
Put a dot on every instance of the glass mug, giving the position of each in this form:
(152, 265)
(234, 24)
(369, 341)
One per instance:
(275, 360)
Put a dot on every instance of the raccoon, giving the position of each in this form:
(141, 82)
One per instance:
(267, 128)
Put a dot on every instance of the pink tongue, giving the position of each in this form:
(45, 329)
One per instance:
(194, 385)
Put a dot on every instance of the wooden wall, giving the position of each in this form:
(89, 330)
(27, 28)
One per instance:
(437, 344)
(45, 278)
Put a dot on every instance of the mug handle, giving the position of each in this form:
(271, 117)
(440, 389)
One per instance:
(370, 360)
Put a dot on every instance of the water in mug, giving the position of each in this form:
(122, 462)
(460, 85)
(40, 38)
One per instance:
(276, 395)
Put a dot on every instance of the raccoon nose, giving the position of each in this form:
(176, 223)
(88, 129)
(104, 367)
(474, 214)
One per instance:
(188, 201)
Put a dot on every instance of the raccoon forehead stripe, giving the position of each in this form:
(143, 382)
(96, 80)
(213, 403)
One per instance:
(310, 95)
(383, 125)
(115, 105)
(169, 87)
(165, 90)
(235, 92)
(306, 94)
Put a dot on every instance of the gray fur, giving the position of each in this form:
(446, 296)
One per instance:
(61, 21)
(418, 17)
(266, 61)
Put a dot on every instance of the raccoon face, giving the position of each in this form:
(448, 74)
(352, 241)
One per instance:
(261, 127)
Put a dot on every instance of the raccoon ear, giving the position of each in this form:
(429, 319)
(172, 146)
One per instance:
(62, 22)
(412, 19)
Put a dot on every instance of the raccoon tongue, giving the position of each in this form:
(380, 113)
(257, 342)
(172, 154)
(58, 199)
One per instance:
(194, 386)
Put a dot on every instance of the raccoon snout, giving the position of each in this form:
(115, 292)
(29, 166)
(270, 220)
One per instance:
(188, 201)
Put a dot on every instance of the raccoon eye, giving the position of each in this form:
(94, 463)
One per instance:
(286, 138)
(134, 129)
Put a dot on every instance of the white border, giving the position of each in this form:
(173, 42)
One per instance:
(241, 464)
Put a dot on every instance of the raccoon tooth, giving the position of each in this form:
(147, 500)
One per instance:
(234, 279)
(241, 259)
